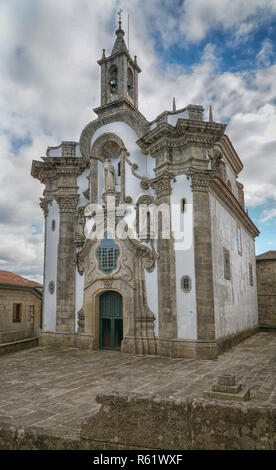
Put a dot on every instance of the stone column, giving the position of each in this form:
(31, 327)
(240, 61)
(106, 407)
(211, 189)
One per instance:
(66, 266)
(203, 255)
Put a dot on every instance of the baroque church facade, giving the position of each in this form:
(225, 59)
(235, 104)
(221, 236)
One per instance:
(188, 298)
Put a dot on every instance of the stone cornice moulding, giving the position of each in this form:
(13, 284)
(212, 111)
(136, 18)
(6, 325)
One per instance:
(200, 179)
(130, 117)
(224, 195)
(52, 167)
(185, 132)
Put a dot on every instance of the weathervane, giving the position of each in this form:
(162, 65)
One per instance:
(119, 13)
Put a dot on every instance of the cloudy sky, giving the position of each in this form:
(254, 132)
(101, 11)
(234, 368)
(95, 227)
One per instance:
(218, 52)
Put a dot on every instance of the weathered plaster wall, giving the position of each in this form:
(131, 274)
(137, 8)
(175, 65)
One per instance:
(10, 331)
(236, 306)
(184, 257)
(51, 246)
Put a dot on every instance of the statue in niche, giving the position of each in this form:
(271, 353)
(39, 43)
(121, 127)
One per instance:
(109, 177)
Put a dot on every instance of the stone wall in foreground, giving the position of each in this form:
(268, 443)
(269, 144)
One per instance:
(130, 421)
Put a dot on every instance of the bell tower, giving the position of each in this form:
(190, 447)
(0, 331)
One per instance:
(119, 77)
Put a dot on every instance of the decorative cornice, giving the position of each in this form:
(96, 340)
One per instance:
(185, 132)
(52, 167)
(67, 204)
(200, 179)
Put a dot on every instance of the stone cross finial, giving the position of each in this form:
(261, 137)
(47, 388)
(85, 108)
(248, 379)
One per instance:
(174, 105)
(211, 115)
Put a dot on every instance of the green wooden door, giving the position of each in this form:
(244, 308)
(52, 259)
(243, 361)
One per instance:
(111, 320)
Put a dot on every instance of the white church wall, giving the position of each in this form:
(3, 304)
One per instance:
(79, 296)
(51, 246)
(184, 258)
(78, 152)
(129, 137)
(173, 118)
(83, 185)
(235, 299)
(55, 152)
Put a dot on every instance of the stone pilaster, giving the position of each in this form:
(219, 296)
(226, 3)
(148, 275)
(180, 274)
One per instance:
(166, 282)
(66, 266)
(203, 255)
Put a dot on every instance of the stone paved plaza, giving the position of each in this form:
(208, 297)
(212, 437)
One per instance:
(55, 389)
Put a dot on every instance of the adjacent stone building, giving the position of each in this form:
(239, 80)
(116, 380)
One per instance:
(146, 293)
(266, 280)
(20, 307)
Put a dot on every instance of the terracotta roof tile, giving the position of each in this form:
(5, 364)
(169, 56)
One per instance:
(267, 255)
(6, 277)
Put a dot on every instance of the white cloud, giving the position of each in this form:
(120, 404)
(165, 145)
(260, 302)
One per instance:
(50, 82)
(268, 215)
(265, 55)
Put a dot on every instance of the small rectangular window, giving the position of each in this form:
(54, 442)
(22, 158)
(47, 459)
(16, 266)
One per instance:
(183, 205)
(17, 313)
(239, 240)
(227, 270)
(250, 274)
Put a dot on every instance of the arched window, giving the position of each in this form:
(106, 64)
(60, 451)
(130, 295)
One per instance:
(113, 79)
(130, 88)
(107, 254)
(53, 225)
(119, 169)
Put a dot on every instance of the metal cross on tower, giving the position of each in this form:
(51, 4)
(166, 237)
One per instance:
(119, 13)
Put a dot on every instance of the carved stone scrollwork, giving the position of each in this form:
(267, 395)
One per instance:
(44, 206)
(80, 264)
(161, 184)
(200, 179)
(215, 157)
(81, 321)
(108, 283)
(79, 230)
